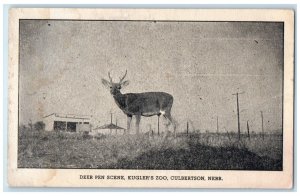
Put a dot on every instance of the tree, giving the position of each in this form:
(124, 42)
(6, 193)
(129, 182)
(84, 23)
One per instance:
(39, 126)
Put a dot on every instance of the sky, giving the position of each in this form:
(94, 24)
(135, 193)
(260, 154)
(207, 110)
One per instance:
(202, 64)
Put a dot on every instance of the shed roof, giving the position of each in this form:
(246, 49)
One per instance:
(109, 126)
(73, 116)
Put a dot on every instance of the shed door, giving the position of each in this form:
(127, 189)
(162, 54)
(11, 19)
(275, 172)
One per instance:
(71, 126)
(59, 125)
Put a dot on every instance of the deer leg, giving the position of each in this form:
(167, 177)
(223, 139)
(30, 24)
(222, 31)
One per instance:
(129, 118)
(137, 123)
(158, 124)
(167, 121)
(168, 116)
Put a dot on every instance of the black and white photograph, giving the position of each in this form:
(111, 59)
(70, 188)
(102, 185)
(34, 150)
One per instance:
(151, 95)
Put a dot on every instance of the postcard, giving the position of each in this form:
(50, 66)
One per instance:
(151, 98)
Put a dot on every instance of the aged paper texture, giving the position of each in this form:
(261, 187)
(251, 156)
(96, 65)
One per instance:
(151, 98)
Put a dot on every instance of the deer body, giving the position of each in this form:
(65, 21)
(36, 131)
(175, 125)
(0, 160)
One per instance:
(144, 104)
(141, 104)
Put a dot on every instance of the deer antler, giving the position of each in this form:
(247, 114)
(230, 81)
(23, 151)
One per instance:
(121, 79)
(110, 77)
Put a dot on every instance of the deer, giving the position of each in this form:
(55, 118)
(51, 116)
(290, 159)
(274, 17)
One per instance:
(144, 104)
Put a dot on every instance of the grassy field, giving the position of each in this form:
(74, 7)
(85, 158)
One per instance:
(39, 149)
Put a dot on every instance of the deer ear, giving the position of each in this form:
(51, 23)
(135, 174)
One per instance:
(125, 83)
(106, 83)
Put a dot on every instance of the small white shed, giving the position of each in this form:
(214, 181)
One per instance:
(67, 122)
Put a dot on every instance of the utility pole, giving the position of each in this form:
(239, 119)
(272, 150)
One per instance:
(217, 125)
(187, 127)
(110, 122)
(262, 124)
(238, 112)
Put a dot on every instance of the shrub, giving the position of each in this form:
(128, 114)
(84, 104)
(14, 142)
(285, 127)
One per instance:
(39, 126)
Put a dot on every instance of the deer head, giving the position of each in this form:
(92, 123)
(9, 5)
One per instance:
(115, 87)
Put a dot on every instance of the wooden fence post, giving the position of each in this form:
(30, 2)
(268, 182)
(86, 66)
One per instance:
(187, 128)
(248, 130)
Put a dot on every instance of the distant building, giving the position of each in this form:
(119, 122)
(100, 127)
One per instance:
(109, 129)
(67, 122)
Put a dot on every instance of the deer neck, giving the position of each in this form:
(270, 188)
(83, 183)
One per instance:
(119, 99)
